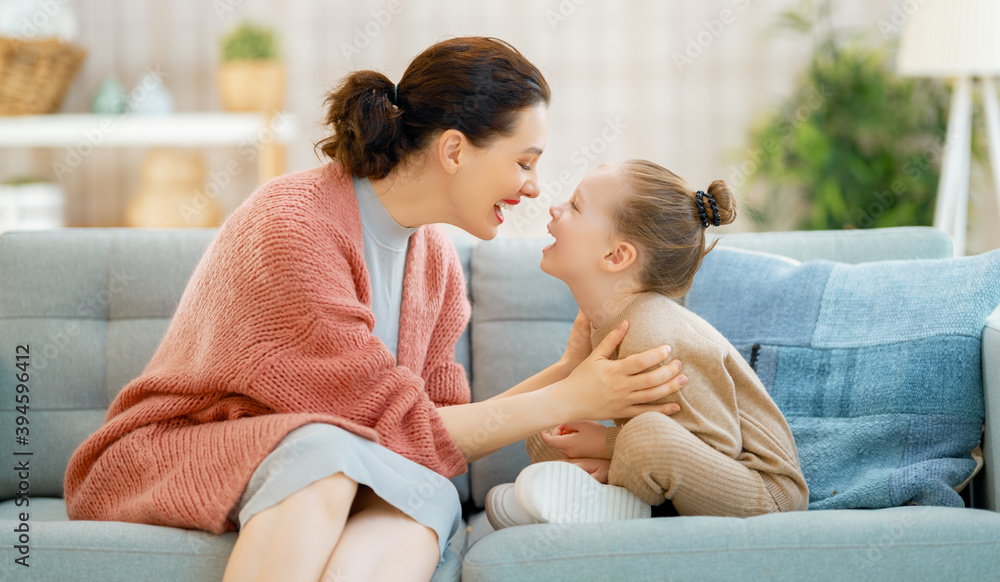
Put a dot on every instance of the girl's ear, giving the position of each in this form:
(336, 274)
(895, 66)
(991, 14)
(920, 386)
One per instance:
(619, 258)
(450, 148)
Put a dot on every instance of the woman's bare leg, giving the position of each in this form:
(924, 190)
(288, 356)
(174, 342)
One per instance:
(291, 541)
(381, 542)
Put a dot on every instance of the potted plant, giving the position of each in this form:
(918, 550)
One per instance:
(855, 146)
(250, 77)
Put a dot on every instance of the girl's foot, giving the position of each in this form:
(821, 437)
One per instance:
(503, 510)
(560, 492)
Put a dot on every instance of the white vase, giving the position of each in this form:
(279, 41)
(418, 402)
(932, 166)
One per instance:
(150, 97)
(33, 206)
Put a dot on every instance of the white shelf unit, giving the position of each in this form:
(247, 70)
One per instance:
(270, 133)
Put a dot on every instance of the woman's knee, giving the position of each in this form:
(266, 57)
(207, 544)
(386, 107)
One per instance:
(330, 498)
(378, 537)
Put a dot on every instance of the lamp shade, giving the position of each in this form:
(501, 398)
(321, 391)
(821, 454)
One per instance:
(947, 38)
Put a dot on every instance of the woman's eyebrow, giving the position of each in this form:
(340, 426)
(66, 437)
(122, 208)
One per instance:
(534, 150)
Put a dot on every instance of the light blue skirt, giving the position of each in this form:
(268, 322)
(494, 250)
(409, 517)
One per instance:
(314, 451)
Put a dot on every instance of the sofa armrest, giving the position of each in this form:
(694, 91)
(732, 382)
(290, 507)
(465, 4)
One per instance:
(991, 396)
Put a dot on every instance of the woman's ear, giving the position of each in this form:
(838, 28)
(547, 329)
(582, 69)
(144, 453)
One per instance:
(451, 150)
(621, 257)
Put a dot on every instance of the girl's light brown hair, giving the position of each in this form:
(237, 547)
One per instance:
(660, 217)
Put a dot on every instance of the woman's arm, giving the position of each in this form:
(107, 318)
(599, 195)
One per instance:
(577, 349)
(596, 389)
(554, 373)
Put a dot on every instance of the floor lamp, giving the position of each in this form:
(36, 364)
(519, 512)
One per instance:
(958, 39)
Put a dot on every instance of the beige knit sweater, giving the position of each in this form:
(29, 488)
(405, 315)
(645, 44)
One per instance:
(724, 404)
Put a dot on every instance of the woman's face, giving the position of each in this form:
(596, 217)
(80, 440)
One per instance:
(583, 228)
(498, 176)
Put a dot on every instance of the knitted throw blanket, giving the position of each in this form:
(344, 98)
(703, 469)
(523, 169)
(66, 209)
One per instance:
(876, 366)
(274, 331)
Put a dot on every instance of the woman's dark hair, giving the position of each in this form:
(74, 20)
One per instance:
(476, 85)
(661, 216)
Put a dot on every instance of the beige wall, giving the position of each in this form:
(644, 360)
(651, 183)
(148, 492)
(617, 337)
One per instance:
(618, 89)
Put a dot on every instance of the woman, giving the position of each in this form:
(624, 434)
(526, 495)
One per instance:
(306, 391)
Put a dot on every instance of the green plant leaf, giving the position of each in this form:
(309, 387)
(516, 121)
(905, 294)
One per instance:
(851, 129)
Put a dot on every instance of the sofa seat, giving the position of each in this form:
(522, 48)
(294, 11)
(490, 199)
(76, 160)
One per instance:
(939, 543)
(62, 550)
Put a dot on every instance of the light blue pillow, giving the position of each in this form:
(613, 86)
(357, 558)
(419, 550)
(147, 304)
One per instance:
(876, 366)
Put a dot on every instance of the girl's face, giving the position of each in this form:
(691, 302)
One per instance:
(583, 228)
(497, 176)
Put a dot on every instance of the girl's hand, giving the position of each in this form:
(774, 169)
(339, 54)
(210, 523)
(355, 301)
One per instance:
(578, 347)
(602, 388)
(580, 439)
(598, 468)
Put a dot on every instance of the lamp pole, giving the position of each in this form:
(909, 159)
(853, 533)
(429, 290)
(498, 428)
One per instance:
(951, 207)
(957, 39)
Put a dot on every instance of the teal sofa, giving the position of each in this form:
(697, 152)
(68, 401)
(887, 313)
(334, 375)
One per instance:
(94, 303)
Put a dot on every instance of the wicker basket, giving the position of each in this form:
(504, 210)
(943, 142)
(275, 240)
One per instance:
(35, 74)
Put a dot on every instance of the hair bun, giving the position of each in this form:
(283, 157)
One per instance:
(724, 210)
(368, 131)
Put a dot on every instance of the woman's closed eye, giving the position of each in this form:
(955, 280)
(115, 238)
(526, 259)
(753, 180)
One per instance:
(526, 167)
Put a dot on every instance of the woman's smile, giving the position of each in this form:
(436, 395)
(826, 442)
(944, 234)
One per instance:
(504, 204)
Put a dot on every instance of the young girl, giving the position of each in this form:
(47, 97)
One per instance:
(627, 243)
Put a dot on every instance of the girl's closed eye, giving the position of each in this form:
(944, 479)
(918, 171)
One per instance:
(572, 204)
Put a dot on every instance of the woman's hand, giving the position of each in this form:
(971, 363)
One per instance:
(601, 388)
(578, 347)
(598, 468)
(580, 439)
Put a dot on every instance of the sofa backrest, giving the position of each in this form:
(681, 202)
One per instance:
(93, 304)
(522, 317)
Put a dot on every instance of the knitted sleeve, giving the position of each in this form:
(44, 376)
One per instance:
(447, 381)
(315, 351)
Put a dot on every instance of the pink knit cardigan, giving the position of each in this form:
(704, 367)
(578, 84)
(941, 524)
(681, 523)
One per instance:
(273, 331)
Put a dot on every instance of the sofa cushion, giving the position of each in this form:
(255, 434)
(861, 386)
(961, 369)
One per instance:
(109, 551)
(901, 543)
(877, 366)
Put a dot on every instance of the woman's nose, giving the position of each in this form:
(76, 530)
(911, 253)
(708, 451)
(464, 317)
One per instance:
(530, 188)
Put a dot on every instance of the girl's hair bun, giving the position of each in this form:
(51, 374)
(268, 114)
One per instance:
(723, 201)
